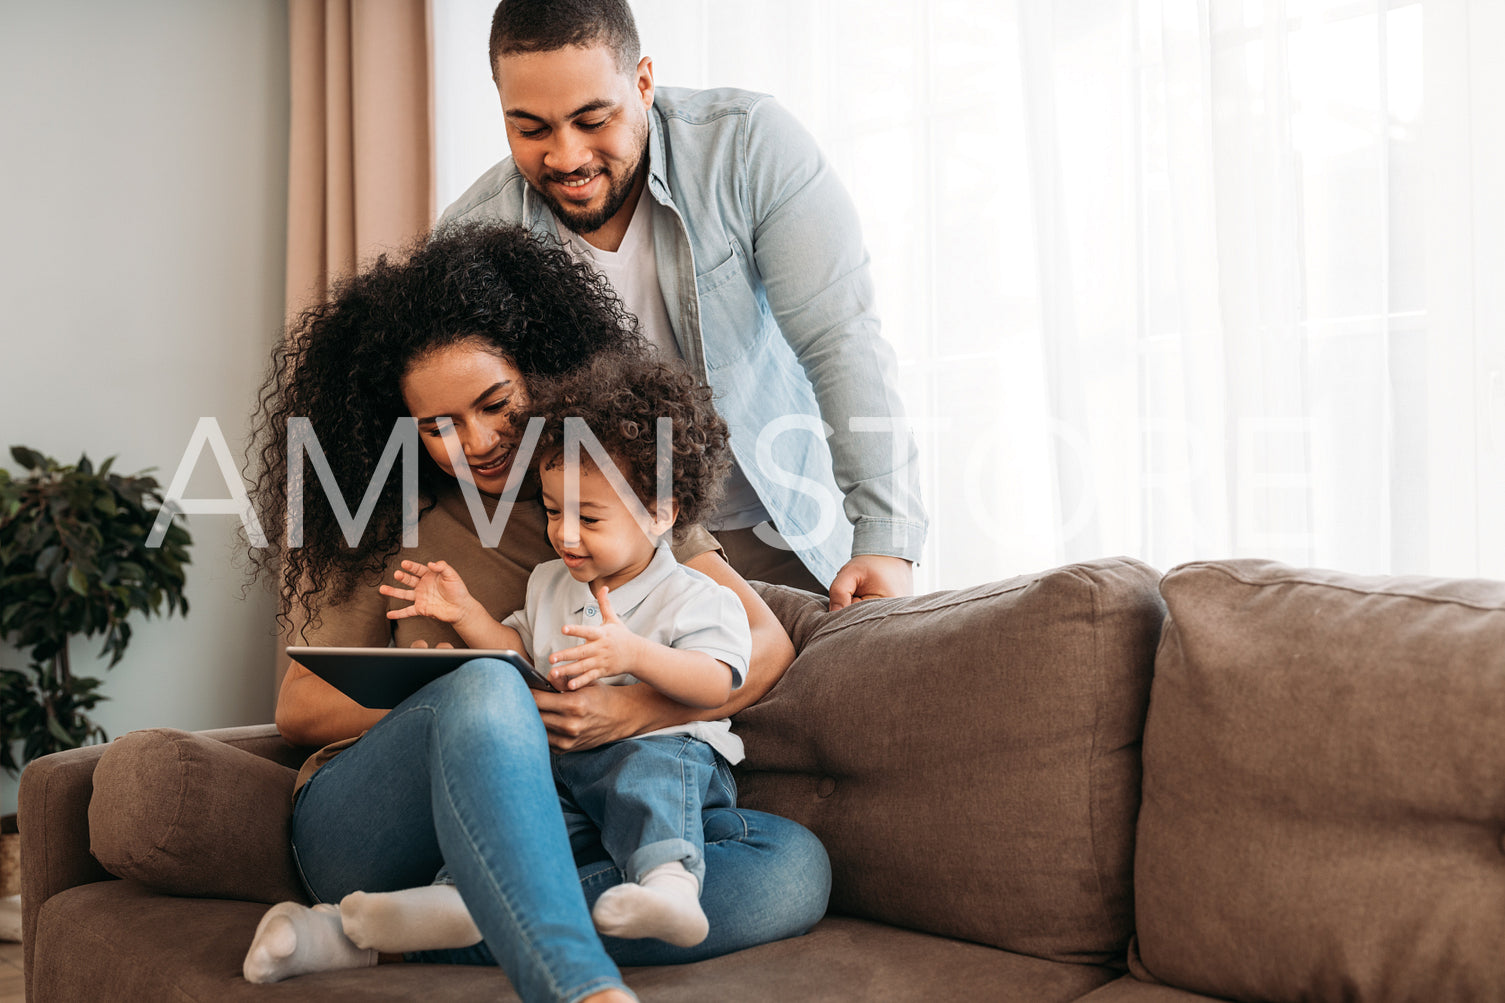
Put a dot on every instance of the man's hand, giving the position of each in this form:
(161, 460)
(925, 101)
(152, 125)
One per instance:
(871, 576)
(609, 650)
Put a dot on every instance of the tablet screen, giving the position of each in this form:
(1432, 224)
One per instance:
(382, 678)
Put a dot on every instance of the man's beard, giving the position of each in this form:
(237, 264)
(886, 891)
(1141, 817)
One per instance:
(584, 221)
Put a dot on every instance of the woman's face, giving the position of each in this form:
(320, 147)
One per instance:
(477, 391)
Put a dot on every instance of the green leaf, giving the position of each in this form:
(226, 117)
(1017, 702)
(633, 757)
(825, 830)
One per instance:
(58, 732)
(73, 563)
(48, 558)
(25, 457)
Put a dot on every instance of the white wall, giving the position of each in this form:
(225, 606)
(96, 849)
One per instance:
(142, 192)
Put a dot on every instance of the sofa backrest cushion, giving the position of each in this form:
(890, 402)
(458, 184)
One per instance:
(970, 759)
(1324, 789)
(187, 814)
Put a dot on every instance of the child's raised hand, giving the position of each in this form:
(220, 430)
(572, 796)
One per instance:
(609, 650)
(436, 590)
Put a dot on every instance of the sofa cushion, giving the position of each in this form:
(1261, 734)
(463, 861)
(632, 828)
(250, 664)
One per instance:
(189, 815)
(1324, 790)
(1129, 989)
(115, 940)
(970, 759)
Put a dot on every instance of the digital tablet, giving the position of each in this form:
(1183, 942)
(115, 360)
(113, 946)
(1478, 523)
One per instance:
(382, 678)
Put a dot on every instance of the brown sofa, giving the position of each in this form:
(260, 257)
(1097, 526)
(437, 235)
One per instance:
(1318, 814)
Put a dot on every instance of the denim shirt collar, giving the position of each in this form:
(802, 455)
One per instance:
(658, 178)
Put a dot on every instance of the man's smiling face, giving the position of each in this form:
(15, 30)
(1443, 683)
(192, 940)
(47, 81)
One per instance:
(578, 129)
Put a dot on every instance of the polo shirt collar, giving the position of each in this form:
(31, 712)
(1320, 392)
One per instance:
(628, 597)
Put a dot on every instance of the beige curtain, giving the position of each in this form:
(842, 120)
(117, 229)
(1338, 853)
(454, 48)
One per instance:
(360, 157)
(360, 162)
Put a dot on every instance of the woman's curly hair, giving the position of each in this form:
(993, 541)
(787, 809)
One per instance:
(342, 362)
(621, 396)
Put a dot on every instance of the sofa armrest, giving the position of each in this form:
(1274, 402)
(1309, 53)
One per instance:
(53, 813)
(206, 814)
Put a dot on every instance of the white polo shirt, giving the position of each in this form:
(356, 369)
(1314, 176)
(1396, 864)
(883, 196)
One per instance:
(667, 603)
(632, 270)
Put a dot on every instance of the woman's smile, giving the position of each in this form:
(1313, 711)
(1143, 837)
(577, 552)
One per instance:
(464, 396)
(497, 465)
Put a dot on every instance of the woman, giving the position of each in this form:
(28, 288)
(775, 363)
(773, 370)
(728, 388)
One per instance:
(457, 777)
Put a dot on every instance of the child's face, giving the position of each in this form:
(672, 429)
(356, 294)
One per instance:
(603, 543)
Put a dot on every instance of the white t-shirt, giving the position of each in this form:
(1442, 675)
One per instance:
(632, 271)
(668, 604)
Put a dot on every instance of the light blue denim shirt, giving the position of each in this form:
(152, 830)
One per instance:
(768, 289)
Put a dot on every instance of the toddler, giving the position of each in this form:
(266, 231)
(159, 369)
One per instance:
(615, 609)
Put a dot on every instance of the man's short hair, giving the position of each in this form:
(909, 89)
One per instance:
(549, 25)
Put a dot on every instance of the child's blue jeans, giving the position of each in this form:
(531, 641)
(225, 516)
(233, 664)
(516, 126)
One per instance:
(643, 798)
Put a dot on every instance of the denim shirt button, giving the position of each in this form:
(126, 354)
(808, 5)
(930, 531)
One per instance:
(826, 787)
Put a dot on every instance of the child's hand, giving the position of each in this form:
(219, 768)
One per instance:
(436, 590)
(609, 650)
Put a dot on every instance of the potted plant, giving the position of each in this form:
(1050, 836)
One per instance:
(73, 560)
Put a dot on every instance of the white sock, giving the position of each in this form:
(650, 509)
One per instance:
(666, 905)
(293, 939)
(430, 918)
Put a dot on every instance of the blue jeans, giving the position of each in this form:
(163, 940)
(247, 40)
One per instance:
(459, 776)
(643, 798)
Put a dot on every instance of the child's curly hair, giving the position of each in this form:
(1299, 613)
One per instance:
(621, 396)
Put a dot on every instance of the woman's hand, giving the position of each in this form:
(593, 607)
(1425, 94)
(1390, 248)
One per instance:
(595, 715)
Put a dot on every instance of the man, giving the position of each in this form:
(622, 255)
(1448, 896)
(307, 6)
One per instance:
(720, 225)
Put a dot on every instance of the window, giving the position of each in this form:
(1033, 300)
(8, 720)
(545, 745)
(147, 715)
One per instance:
(1169, 279)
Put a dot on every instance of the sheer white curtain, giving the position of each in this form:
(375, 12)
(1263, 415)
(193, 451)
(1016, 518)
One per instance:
(1167, 278)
